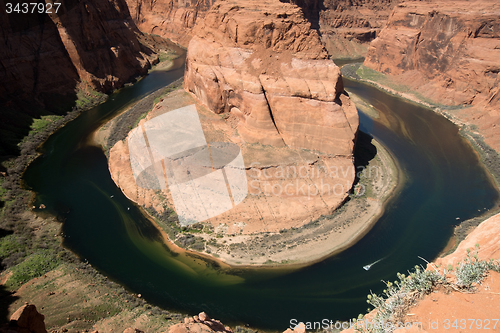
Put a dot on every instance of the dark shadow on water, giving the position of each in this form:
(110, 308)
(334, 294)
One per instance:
(364, 152)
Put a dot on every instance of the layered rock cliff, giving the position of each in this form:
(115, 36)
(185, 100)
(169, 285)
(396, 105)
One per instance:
(93, 41)
(44, 56)
(264, 65)
(173, 19)
(448, 52)
(345, 26)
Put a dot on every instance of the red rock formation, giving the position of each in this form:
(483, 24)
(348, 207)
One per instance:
(201, 323)
(173, 19)
(343, 25)
(93, 41)
(44, 57)
(347, 26)
(102, 43)
(262, 63)
(28, 320)
(449, 52)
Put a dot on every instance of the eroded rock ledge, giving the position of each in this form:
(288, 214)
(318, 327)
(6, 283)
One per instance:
(449, 53)
(262, 63)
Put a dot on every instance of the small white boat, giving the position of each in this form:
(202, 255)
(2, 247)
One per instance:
(367, 267)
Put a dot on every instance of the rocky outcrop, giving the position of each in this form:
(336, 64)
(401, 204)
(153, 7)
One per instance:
(201, 323)
(260, 80)
(448, 52)
(486, 235)
(348, 26)
(287, 187)
(345, 26)
(264, 65)
(26, 320)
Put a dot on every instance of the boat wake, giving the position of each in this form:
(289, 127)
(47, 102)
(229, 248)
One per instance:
(367, 267)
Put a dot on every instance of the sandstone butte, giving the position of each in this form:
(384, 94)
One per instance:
(449, 53)
(261, 65)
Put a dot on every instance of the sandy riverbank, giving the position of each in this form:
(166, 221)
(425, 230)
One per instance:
(320, 237)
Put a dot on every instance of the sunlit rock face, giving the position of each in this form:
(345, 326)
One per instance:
(263, 64)
(449, 52)
(260, 78)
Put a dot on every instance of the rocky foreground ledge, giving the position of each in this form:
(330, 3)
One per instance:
(480, 303)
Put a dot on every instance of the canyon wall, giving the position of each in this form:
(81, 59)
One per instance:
(348, 26)
(94, 41)
(44, 57)
(345, 26)
(448, 52)
(173, 19)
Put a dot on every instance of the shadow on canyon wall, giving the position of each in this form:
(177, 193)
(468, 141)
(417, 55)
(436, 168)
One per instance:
(44, 58)
(311, 9)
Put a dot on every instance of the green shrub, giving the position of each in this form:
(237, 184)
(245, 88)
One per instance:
(33, 266)
(8, 245)
(472, 270)
(398, 296)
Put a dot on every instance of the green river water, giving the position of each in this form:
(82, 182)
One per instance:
(444, 180)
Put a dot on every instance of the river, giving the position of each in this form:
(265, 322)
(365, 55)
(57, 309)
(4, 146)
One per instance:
(444, 180)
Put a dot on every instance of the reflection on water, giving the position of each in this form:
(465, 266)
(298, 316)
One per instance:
(445, 180)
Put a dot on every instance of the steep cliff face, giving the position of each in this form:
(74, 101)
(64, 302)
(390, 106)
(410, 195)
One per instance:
(448, 52)
(262, 63)
(173, 19)
(345, 26)
(94, 41)
(44, 56)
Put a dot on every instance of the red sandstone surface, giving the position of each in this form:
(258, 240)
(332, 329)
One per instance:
(262, 65)
(448, 52)
(345, 26)
(46, 56)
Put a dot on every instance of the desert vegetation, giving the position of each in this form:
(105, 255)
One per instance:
(392, 305)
